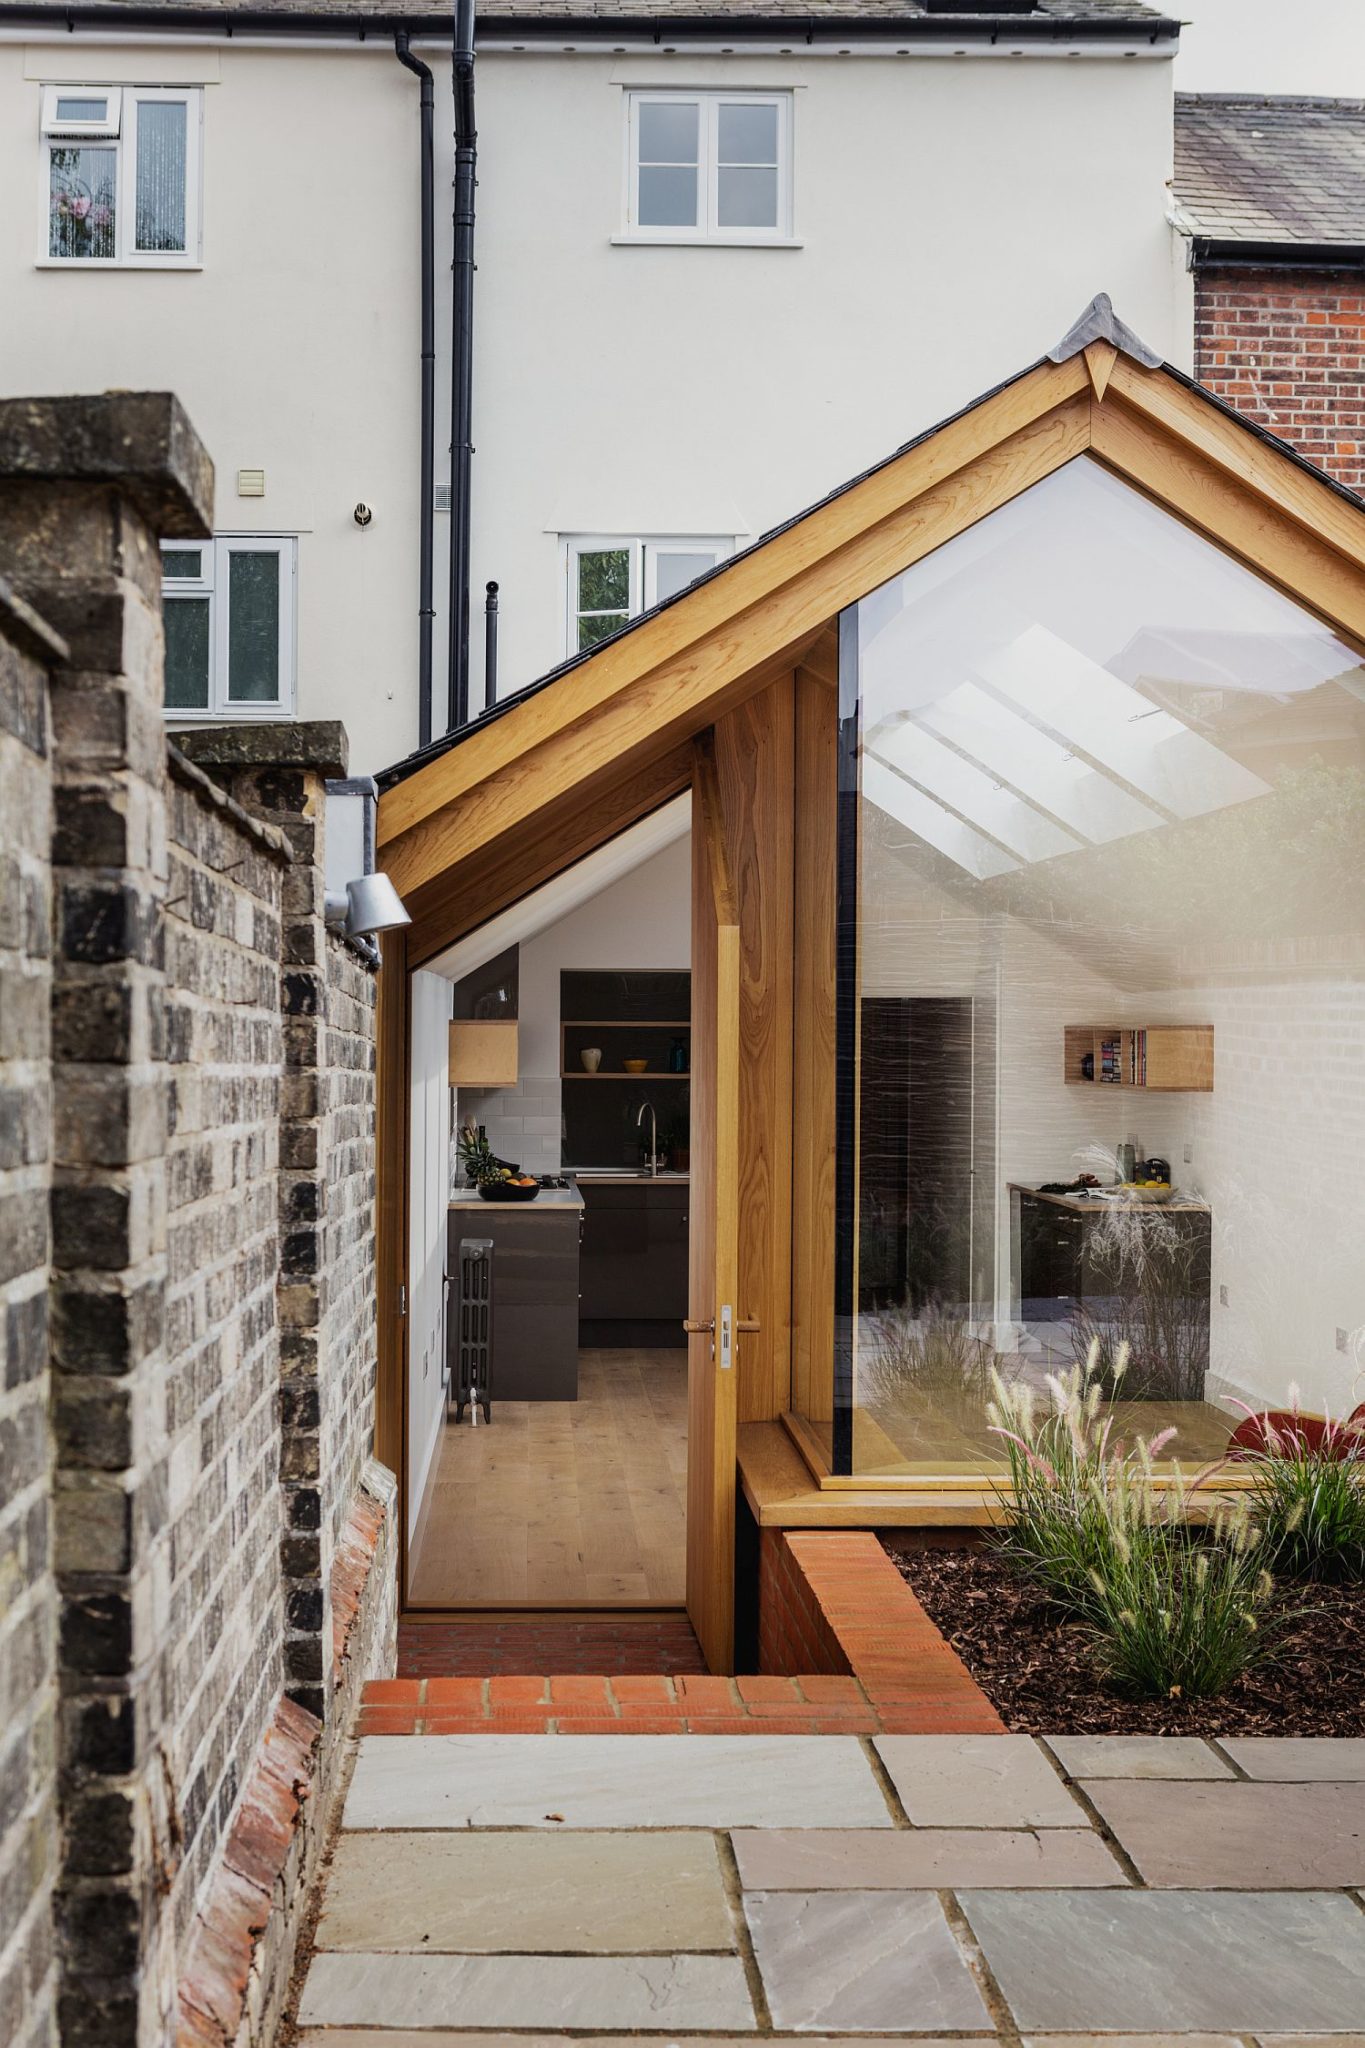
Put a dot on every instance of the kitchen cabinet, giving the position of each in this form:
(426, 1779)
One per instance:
(535, 1291)
(633, 1273)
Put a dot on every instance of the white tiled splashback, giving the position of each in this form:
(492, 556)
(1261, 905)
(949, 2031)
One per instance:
(523, 1123)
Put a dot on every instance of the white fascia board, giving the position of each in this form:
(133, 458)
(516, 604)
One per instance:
(370, 41)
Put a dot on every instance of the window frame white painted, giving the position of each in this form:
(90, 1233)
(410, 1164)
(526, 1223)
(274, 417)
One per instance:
(214, 584)
(708, 232)
(119, 129)
(644, 551)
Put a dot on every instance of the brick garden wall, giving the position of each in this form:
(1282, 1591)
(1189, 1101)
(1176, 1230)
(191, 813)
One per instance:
(196, 1563)
(1285, 348)
(28, 1592)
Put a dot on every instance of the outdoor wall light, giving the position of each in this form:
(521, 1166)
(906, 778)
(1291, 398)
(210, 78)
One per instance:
(369, 904)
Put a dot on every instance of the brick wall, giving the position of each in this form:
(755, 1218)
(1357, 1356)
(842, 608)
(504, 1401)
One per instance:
(1285, 348)
(186, 1281)
(28, 1596)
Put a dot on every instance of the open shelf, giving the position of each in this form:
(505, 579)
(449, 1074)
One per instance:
(1170, 1058)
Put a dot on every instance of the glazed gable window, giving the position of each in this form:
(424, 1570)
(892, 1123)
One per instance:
(710, 166)
(120, 176)
(228, 610)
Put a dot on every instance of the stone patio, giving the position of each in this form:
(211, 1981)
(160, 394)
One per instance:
(501, 1888)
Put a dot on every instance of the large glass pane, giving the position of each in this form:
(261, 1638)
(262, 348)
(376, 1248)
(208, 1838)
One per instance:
(161, 149)
(253, 627)
(668, 131)
(746, 134)
(1101, 986)
(674, 569)
(186, 622)
(81, 204)
(604, 579)
(746, 198)
(668, 197)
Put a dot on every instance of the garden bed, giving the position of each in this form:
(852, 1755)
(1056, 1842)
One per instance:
(1036, 1668)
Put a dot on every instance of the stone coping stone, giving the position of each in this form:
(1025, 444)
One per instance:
(317, 743)
(1137, 1756)
(140, 442)
(978, 1781)
(1174, 1961)
(582, 1781)
(1298, 1759)
(691, 1993)
(910, 1859)
(474, 1892)
(871, 1958)
(1237, 1836)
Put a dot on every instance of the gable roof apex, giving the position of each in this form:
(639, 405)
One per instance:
(1099, 322)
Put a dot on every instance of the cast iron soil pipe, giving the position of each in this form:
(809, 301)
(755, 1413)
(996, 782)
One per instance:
(426, 541)
(462, 361)
(490, 644)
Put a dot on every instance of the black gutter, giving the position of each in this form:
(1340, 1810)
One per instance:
(426, 610)
(1233, 253)
(663, 32)
(462, 361)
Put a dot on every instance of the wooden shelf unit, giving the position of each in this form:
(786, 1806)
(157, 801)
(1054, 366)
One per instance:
(1174, 1059)
(630, 1039)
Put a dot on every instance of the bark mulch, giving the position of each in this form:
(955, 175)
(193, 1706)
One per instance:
(1036, 1668)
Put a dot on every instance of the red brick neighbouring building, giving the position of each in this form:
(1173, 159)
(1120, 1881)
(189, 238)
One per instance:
(1271, 193)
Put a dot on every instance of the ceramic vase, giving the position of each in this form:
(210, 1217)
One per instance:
(591, 1057)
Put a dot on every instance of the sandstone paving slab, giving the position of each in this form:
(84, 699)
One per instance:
(481, 1893)
(1298, 1759)
(978, 1781)
(1133, 1962)
(1311, 2040)
(1137, 1756)
(449, 2037)
(908, 1859)
(1243, 1837)
(1135, 2040)
(621, 1992)
(582, 1781)
(866, 1962)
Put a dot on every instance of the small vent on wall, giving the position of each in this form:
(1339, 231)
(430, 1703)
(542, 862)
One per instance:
(251, 483)
(440, 498)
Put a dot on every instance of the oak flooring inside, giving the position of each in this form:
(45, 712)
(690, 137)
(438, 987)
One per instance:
(564, 1503)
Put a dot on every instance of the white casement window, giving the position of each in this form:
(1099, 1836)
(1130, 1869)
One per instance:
(228, 607)
(120, 176)
(611, 580)
(709, 166)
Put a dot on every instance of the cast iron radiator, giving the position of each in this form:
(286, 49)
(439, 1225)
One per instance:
(474, 1308)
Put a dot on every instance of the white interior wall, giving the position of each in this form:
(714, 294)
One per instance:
(643, 920)
(429, 1191)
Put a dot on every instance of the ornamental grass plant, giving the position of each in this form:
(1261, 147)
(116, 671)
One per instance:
(1307, 1494)
(1171, 1610)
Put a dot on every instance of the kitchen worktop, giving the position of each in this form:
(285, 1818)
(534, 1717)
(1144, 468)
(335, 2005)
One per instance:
(548, 1198)
(1104, 1199)
(607, 1179)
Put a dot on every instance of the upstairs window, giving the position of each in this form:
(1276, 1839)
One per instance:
(121, 175)
(710, 167)
(612, 580)
(228, 608)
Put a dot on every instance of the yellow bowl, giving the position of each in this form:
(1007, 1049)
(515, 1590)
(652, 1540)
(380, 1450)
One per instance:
(635, 1066)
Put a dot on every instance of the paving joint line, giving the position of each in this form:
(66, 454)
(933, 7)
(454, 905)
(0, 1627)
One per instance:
(1100, 1826)
(734, 1895)
(974, 1956)
(885, 1783)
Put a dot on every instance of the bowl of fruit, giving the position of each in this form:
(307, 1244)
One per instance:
(1148, 1190)
(513, 1187)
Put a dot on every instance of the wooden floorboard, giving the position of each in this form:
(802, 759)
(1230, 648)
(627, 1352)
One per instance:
(564, 1503)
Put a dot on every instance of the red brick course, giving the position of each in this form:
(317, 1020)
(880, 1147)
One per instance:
(1287, 348)
(848, 1650)
(585, 1644)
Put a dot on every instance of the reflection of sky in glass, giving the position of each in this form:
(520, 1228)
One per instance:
(1046, 674)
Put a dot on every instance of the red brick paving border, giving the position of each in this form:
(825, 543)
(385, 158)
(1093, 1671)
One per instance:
(831, 1599)
(584, 1644)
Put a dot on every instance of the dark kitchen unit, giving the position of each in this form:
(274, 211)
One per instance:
(633, 1275)
(535, 1291)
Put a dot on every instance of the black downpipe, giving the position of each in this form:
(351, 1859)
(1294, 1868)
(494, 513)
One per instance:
(462, 362)
(490, 644)
(426, 610)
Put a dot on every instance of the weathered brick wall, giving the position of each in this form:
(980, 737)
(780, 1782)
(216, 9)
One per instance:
(28, 1595)
(186, 1285)
(220, 1440)
(1285, 347)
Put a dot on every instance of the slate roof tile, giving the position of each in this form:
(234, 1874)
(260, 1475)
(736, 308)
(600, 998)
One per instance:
(1262, 169)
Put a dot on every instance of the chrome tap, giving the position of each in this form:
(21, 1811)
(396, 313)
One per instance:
(653, 1137)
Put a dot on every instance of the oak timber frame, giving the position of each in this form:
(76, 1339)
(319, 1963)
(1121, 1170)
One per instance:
(749, 656)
